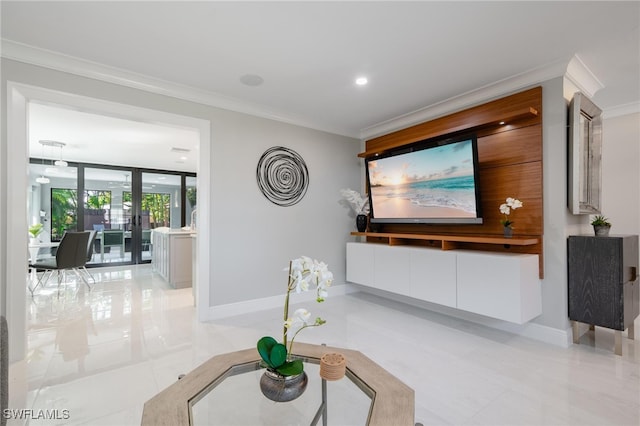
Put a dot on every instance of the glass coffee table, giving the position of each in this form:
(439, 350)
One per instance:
(225, 390)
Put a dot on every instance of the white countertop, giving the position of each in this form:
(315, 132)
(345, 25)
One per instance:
(181, 231)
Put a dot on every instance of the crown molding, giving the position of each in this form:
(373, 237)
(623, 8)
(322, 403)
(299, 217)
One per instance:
(582, 77)
(466, 100)
(575, 72)
(630, 108)
(57, 61)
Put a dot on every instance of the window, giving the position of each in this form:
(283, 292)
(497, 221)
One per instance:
(97, 209)
(64, 208)
(156, 208)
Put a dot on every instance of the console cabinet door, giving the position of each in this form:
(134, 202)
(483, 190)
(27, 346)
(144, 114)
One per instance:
(392, 269)
(603, 284)
(360, 263)
(433, 276)
(499, 285)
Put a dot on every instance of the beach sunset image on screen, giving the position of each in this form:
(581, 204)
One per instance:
(436, 182)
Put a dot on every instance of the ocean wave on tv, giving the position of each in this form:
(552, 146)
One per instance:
(452, 203)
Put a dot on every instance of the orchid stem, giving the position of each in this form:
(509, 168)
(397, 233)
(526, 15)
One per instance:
(294, 336)
(286, 309)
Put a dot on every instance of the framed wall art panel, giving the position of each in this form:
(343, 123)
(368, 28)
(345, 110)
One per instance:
(584, 156)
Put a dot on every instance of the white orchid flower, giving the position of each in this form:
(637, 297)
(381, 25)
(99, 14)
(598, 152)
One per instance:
(505, 209)
(303, 286)
(322, 294)
(306, 262)
(305, 272)
(302, 315)
(299, 319)
(296, 265)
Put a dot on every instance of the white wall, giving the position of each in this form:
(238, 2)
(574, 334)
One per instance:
(621, 173)
(556, 215)
(254, 239)
(250, 239)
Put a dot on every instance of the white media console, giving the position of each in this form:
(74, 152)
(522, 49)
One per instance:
(505, 286)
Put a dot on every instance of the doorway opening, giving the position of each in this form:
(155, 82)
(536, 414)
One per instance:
(19, 97)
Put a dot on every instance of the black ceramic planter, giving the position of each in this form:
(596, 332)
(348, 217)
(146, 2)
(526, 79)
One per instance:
(361, 222)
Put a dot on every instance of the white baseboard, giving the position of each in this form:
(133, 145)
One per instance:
(539, 332)
(272, 302)
(530, 330)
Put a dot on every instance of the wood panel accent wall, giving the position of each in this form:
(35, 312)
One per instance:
(510, 159)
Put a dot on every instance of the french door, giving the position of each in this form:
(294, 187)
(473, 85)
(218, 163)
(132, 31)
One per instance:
(138, 202)
(122, 205)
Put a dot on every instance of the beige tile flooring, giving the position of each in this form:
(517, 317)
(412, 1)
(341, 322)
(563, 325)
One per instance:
(102, 354)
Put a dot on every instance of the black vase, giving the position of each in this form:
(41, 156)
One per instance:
(361, 222)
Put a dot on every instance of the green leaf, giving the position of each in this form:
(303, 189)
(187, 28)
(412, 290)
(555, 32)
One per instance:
(291, 368)
(278, 355)
(265, 345)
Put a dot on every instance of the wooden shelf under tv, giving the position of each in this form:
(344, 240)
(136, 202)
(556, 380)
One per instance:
(447, 242)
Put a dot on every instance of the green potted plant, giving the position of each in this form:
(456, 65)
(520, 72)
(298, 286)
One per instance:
(601, 226)
(285, 379)
(35, 230)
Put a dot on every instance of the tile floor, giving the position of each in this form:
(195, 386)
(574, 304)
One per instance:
(102, 354)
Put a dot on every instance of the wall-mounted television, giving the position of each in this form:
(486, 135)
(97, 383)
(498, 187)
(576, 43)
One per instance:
(433, 181)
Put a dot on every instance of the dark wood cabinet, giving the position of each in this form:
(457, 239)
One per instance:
(603, 283)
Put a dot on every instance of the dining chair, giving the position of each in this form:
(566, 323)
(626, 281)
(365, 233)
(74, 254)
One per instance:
(146, 240)
(83, 269)
(71, 255)
(111, 238)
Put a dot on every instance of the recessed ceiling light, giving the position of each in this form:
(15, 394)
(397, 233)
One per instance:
(502, 123)
(361, 81)
(251, 80)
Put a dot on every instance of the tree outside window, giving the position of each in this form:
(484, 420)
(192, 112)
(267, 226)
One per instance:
(97, 208)
(64, 211)
(157, 205)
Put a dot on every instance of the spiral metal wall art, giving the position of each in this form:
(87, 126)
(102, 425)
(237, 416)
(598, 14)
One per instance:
(282, 176)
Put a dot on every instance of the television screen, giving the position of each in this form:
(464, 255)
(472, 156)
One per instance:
(430, 182)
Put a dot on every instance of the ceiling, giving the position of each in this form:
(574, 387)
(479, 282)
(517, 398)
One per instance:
(103, 139)
(308, 54)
